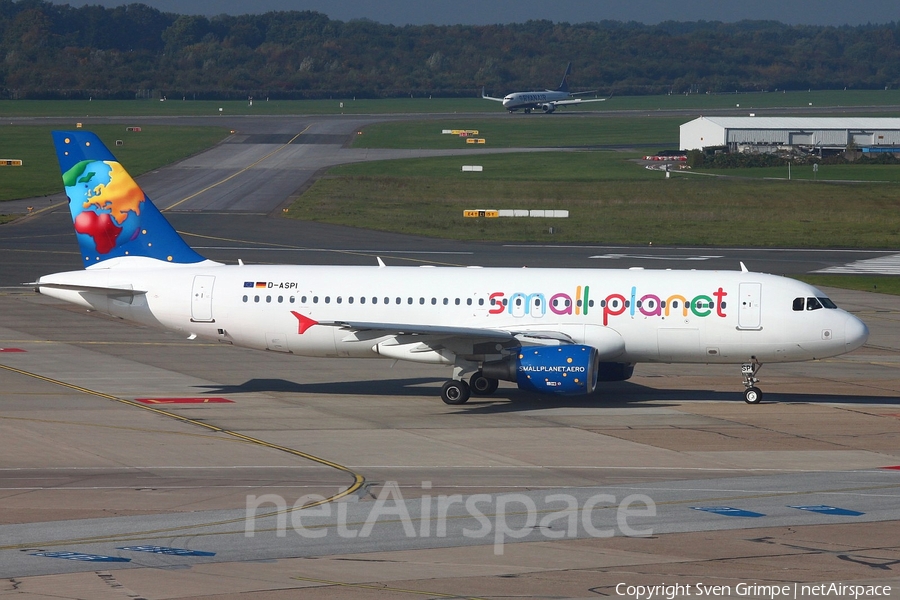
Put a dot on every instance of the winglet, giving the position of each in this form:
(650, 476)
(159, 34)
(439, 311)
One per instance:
(113, 217)
(744, 268)
(304, 322)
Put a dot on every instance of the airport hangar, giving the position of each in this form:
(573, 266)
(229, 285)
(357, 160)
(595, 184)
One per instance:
(820, 135)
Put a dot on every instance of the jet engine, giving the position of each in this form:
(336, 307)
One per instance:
(548, 108)
(564, 370)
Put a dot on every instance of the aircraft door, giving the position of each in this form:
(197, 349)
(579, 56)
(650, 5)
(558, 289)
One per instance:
(201, 299)
(749, 311)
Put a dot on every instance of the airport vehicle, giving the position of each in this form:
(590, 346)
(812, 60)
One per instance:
(553, 331)
(546, 100)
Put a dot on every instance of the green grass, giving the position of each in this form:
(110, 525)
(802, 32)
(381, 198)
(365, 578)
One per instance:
(882, 284)
(151, 148)
(610, 198)
(698, 102)
(558, 167)
(518, 131)
(848, 173)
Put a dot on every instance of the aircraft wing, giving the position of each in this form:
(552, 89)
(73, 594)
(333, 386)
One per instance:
(474, 334)
(576, 101)
(486, 97)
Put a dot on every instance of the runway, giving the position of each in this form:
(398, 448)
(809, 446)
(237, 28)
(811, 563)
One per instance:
(107, 486)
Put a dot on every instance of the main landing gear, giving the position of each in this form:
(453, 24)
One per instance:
(455, 392)
(752, 394)
(458, 391)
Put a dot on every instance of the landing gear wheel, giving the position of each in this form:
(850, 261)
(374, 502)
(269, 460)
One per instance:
(753, 395)
(481, 385)
(455, 392)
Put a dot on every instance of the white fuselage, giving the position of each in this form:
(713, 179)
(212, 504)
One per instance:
(629, 315)
(518, 100)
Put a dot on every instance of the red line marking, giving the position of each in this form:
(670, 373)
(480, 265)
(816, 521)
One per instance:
(12, 350)
(894, 468)
(184, 400)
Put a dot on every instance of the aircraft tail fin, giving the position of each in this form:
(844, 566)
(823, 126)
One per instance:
(113, 217)
(564, 84)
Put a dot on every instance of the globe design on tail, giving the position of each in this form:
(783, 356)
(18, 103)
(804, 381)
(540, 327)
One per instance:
(105, 202)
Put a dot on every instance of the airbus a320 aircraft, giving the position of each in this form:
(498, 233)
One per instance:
(547, 100)
(553, 331)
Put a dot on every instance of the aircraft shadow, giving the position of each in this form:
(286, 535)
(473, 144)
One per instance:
(506, 399)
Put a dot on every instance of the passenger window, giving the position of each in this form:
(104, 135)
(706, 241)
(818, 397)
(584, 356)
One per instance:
(256, 298)
(798, 303)
(481, 302)
(362, 299)
(457, 301)
(446, 302)
(315, 299)
(469, 301)
(327, 299)
(280, 299)
(292, 300)
(268, 298)
(245, 298)
(813, 304)
(338, 299)
(350, 300)
(421, 300)
(433, 301)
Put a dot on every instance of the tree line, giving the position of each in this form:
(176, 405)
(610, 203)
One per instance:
(57, 51)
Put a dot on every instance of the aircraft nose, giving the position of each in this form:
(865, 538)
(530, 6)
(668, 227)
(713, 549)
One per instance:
(855, 333)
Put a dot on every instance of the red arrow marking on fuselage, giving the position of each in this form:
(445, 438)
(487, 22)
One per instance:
(304, 322)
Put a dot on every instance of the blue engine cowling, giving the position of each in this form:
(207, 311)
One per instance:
(565, 370)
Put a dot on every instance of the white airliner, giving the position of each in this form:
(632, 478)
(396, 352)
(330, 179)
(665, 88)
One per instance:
(553, 331)
(547, 100)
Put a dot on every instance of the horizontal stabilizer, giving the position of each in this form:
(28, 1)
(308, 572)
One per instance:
(93, 289)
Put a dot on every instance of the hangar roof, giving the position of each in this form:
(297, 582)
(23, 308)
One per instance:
(804, 122)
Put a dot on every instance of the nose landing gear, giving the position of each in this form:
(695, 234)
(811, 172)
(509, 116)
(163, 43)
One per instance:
(752, 394)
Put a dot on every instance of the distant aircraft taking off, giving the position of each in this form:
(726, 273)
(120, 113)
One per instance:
(547, 100)
(553, 331)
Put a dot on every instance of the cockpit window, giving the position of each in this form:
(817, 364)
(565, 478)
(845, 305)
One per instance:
(812, 303)
(827, 303)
